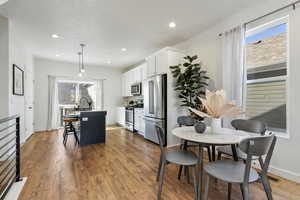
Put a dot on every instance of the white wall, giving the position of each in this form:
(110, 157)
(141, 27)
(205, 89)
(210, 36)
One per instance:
(207, 45)
(19, 54)
(12, 51)
(44, 67)
(4, 60)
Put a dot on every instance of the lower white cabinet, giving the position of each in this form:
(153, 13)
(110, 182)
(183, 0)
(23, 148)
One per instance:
(121, 116)
(139, 122)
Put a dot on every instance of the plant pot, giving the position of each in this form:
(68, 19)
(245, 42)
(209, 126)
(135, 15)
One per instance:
(216, 125)
(200, 127)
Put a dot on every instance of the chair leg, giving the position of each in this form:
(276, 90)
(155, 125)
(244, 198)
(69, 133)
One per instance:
(267, 187)
(219, 155)
(179, 172)
(195, 182)
(161, 180)
(65, 139)
(64, 135)
(213, 152)
(76, 137)
(209, 153)
(159, 168)
(241, 187)
(182, 146)
(246, 192)
(187, 174)
(229, 191)
(207, 187)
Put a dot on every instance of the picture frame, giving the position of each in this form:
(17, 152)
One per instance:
(18, 81)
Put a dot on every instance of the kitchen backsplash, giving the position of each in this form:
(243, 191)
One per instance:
(137, 99)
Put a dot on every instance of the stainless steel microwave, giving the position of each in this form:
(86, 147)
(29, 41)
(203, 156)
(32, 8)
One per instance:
(136, 89)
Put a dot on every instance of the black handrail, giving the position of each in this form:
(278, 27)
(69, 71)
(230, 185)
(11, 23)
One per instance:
(10, 153)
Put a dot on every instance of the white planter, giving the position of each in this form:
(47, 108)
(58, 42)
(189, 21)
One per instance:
(216, 125)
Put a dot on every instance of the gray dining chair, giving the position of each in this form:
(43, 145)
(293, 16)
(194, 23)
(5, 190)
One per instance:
(242, 173)
(189, 121)
(252, 126)
(178, 156)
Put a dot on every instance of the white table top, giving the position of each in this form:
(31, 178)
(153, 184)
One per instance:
(228, 136)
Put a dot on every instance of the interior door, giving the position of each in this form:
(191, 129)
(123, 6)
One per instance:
(29, 87)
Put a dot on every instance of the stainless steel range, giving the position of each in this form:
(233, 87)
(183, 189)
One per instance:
(155, 106)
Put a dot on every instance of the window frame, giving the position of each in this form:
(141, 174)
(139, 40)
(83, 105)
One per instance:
(257, 29)
(77, 82)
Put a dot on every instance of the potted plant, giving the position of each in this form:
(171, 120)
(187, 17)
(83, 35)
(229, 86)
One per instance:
(191, 83)
(215, 107)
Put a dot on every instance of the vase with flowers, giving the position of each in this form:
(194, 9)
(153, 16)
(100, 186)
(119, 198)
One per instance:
(214, 106)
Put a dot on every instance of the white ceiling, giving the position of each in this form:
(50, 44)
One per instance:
(106, 26)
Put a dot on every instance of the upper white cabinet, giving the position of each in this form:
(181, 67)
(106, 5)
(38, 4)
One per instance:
(161, 62)
(144, 71)
(151, 65)
(123, 85)
(133, 76)
(157, 63)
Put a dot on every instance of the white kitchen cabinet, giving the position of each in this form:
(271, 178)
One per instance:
(133, 76)
(128, 83)
(139, 122)
(124, 84)
(137, 72)
(161, 66)
(121, 116)
(157, 63)
(143, 71)
(151, 65)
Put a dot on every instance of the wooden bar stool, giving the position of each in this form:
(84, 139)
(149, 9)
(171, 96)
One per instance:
(70, 130)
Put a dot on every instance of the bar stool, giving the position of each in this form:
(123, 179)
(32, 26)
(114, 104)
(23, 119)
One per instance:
(70, 130)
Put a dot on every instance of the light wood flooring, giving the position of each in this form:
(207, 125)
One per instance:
(122, 169)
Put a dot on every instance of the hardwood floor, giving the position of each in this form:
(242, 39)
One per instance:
(122, 169)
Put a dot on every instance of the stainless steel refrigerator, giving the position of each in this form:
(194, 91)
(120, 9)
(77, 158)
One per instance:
(155, 106)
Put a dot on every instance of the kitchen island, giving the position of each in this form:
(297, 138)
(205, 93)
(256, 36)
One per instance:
(91, 128)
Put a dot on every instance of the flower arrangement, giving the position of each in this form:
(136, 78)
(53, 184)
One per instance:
(215, 106)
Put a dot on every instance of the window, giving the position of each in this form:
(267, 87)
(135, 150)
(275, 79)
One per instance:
(72, 93)
(266, 67)
(66, 93)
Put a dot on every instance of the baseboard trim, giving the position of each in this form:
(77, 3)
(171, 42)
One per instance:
(292, 176)
(15, 190)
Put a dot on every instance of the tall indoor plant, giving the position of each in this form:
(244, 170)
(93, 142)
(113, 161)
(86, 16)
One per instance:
(191, 81)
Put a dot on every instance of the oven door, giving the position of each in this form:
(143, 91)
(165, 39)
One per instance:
(129, 116)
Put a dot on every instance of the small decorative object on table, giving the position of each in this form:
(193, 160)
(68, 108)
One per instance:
(214, 107)
(200, 127)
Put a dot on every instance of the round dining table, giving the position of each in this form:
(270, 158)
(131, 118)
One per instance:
(225, 136)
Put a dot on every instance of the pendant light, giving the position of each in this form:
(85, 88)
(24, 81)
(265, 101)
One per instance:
(82, 69)
(79, 64)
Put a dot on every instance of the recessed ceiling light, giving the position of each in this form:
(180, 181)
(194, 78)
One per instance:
(172, 25)
(57, 55)
(55, 36)
(123, 49)
(80, 74)
(108, 62)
